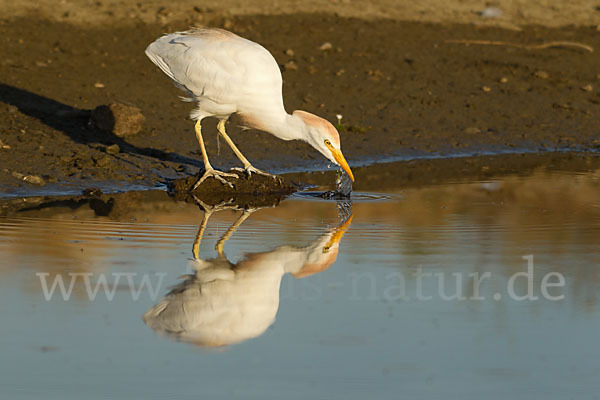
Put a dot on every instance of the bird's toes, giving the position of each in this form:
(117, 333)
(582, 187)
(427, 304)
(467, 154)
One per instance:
(244, 171)
(224, 181)
(218, 175)
(240, 169)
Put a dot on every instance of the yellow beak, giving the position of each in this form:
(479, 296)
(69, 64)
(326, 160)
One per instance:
(338, 233)
(339, 157)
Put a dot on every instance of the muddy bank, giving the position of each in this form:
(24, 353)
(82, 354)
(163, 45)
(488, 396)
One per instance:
(390, 177)
(402, 90)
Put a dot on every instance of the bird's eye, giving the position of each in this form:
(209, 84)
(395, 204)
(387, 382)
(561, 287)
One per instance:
(327, 142)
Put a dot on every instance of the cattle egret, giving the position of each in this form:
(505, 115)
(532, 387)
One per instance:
(222, 303)
(225, 74)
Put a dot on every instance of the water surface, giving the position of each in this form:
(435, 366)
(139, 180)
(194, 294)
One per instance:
(291, 302)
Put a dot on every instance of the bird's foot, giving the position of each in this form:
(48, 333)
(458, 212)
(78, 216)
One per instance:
(249, 170)
(223, 205)
(218, 175)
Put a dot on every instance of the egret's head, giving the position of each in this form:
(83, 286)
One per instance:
(323, 136)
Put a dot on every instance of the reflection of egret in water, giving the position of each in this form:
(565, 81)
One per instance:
(222, 303)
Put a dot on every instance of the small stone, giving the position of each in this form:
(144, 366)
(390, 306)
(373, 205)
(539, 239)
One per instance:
(541, 74)
(587, 88)
(340, 72)
(472, 130)
(120, 119)
(503, 79)
(289, 52)
(486, 88)
(290, 66)
(32, 179)
(113, 149)
(92, 192)
(99, 85)
(326, 46)
(491, 12)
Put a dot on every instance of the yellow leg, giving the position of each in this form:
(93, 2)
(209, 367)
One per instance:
(231, 230)
(196, 247)
(209, 170)
(198, 129)
(248, 168)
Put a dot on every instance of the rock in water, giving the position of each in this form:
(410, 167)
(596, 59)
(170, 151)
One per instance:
(118, 118)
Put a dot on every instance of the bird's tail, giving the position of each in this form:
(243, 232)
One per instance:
(152, 51)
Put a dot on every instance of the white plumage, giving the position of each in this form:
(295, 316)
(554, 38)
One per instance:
(225, 74)
(223, 303)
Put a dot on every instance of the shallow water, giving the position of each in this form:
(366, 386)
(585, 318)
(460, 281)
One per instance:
(289, 302)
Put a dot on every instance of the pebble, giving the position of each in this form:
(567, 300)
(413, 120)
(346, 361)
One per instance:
(92, 192)
(113, 149)
(289, 52)
(491, 12)
(326, 46)
(472, 130)
(33, 179)
(503, 79)
(541, 74)
(587, 88)
(290, 66)
(486, 88)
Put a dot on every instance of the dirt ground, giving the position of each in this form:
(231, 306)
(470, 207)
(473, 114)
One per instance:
(404, 91)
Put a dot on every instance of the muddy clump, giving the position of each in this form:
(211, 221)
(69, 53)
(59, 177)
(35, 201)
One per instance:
(248, 192)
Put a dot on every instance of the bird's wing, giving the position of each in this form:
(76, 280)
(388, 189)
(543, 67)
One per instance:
(217, 65)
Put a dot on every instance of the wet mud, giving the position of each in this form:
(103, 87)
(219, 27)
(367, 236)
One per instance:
(252, 191)
(403, 91)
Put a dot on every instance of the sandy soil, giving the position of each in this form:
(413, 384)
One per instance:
(402, 89)
(515, 13)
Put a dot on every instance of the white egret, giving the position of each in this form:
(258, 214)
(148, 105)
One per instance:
(225, 74)
(222, 303)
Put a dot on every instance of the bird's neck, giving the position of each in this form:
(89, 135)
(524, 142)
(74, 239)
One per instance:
(278, 123)
(287, 127)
